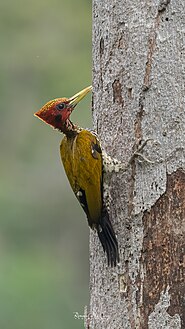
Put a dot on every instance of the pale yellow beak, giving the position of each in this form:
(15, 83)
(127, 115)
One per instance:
(74, 100)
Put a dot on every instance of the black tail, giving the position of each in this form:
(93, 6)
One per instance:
(108, 239)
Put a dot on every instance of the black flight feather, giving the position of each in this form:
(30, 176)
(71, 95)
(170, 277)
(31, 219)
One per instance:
(108, 239)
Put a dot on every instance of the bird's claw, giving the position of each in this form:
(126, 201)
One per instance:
(143, 157)
(140, 148)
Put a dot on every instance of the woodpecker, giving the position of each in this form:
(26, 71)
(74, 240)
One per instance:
(83, 161)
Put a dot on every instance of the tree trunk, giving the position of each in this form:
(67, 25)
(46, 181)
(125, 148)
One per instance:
(138, 93)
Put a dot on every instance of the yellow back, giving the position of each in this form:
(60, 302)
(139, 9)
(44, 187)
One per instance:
(82, 160)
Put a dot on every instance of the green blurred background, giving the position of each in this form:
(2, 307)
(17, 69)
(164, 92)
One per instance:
(45, 52)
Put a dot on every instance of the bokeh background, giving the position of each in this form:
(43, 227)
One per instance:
(45, 52)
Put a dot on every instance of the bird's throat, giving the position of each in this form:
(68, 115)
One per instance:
(69, 129)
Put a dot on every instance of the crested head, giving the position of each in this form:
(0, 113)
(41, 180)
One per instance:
(57, 112)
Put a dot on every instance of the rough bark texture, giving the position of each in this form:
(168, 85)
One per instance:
(138, 93)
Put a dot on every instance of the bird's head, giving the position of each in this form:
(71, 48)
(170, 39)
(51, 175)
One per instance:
(57, 112)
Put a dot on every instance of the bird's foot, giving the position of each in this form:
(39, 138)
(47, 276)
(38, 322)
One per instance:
(140, 148)
(114, 165)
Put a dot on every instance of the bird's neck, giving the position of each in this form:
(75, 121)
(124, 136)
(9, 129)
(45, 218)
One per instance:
(69, 129)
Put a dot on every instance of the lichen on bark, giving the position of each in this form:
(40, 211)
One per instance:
(138, 93)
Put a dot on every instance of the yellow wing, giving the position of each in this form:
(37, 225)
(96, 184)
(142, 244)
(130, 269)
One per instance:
(82, 160)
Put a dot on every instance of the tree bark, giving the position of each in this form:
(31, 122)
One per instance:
(138, 93)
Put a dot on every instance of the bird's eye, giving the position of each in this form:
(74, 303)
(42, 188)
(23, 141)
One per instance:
(61, 106)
